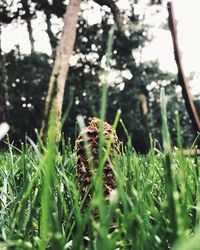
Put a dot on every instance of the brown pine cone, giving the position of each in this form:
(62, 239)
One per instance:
(89, 137)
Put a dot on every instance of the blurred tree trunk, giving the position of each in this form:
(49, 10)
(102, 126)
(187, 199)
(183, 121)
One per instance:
(27, 17)
(2, 102)
(30, 33)
(49, 8)
(144, 104)
(61, 64)
(115, 11)
(119, 20)
(52, 37)
(181, 77)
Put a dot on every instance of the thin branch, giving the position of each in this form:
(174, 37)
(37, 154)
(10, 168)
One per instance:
(2, 101)
(182, 79)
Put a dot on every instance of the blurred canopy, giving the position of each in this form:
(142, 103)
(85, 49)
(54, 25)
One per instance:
(134, 89)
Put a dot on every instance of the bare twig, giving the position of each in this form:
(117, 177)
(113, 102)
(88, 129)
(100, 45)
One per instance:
(2, 101)
(182, 79)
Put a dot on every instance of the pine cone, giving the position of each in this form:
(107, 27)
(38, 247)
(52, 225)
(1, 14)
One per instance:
(83, 172)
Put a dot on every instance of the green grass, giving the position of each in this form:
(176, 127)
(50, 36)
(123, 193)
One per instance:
(155, 204)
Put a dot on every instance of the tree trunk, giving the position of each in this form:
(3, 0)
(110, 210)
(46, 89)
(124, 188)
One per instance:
(52, 38)
(119, 20)
(182, 79)
(27, 17)
(30, 33)
(2, 102)
(61, 64)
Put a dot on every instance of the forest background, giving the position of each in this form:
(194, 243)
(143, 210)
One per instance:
(134, 81)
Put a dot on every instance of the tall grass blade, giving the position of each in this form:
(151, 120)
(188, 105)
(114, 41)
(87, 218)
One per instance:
(169, 179)
(48, 176)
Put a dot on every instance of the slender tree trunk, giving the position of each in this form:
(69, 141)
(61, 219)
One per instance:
(182, 79)
(27, 18)
(2, 102)
(61, 64)
(30, 33)
(52, 37)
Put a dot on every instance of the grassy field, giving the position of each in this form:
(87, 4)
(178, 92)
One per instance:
(155, 204)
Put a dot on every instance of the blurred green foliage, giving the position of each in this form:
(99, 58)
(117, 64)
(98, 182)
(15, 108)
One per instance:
(130, 83)
(25, 87)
